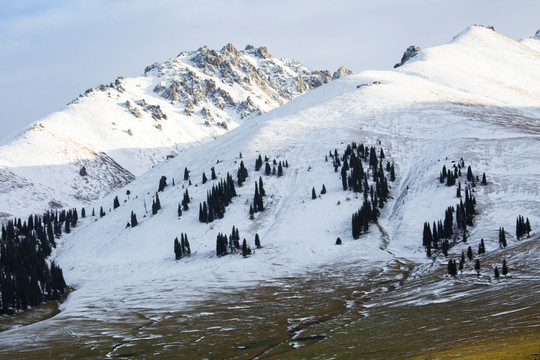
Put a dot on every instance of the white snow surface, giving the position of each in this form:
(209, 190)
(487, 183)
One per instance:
(477, 97)
(200, 95)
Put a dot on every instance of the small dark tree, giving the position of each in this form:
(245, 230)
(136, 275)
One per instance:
(496, 273)
(502, 238)
(323, 190)
(134, 221)
(477, 266)
(83, 213)
(244, 248)
(267, 169)
(186, 174)
(93, 212)
(257, 241)
(313, 194)
(101, 212)
(204, 179)
(484, 181)
(162, 183)
(469, 253)
(262, 192)
(214, 177)
(280, 170)
(504, 268)
(128, 193)
(179, 210)
(116, 203)
(338, 241)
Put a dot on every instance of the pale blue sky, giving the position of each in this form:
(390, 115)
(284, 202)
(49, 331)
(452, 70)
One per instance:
(51, 51)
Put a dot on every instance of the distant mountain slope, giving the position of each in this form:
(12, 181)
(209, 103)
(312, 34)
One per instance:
(475, 98)
(120, 130)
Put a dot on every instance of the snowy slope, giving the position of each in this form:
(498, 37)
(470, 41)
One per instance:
(119, 131)
(476, 97)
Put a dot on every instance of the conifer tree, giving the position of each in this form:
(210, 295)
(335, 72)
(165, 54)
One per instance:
(93, 212)
(257, 241)
(280, 170)
(469, 253)
(186, 174)
(258, 163)
(313, 194)
(179, 211)
(162, 183)
(477, 266)
(214, 177)
(323, 190)
(83, 213)
(262, 192)
(504, 268)
(338, 241)
(116, 203)
(245, 249)
(502, 238)
(496, 273)
(267, 169)
(204, 179)
(134, 221)
(484, 181)
(101, 212)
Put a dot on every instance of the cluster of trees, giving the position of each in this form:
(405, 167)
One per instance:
(450, 176)
(216, 200)
(156, 204)
(464, 211)
(231, 244)
(181, 248)
(355, 178)
(522, 227)
(271, 170)
(257, 199)
(26, 279)
(242, 173)
(502, 238)
(184, 205)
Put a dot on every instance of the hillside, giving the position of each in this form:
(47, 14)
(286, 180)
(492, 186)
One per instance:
(475, 98)
(118, 131)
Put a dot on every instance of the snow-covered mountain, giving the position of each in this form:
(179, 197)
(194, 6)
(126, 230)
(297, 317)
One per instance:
(113, 133)
(476, 98)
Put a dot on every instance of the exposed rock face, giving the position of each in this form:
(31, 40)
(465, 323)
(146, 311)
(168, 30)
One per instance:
(341, 72)
(205, 79)
(537, 35)
(408, 54)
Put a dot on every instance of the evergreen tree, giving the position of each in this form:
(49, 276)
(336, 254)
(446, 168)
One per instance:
(502, 238)
(338, 241)
(177, 249)
(313, 194)
(323, 190)
(245, 249)
(116, 203)
(262, 192)
(214, 177)
(186, 174)
(504, 268)
(162, 183)
(93, 212)
(257, 241)
(134, 221)
(496, 273)
(477, 266)
(484, 181)
(83, 213)
(179, 211)
(469, 253)
(470, 176)
(101, 212)
(258, 163)
(392, 173)
(204, 179)
(280, 170)
(267, 169)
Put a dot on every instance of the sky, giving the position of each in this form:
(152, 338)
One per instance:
(51, 51)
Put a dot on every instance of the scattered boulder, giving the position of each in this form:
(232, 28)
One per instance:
(341, 72)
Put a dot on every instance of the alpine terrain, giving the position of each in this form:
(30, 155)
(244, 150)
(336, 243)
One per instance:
(387, 214)
(115, 132)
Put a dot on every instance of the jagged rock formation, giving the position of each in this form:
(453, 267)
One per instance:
(120, 130)
(408, 54)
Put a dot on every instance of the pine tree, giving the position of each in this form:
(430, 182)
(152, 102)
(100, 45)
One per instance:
(469, 253)
(484, 181)
(179, 210)
(177, 250)
(497, 273)
(313, 194)
(267, 169)
(134, 221)
(244, 248)
(338, 241)
(186, 174)
(502, 238)
(162, 183)
(280, 170)
(477, 266)
(323, 190)
(214, 177)
(116, 203)
(204, 179)
(258, 163)
(83, 213)
(257, 241)
(101, 212)
(504, 268)
(262, 192)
